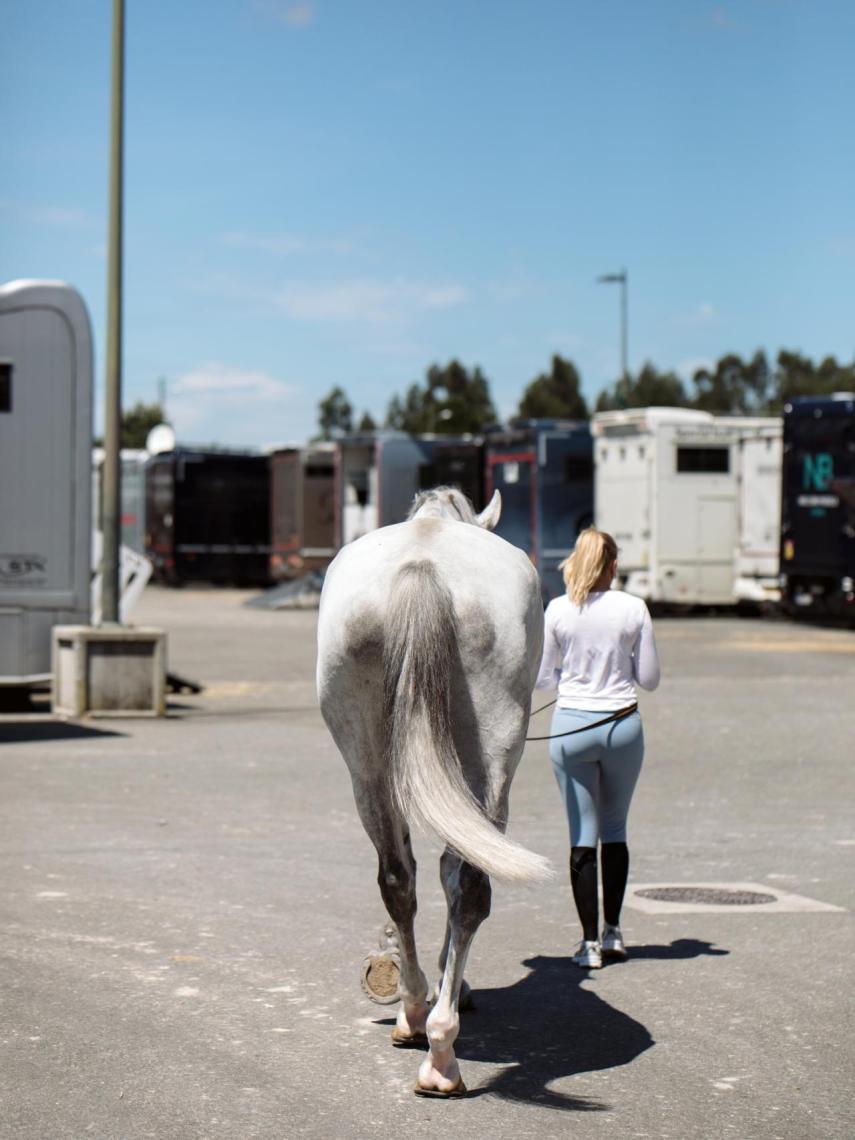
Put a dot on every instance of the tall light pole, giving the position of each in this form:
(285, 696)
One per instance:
(112, 474)
(621, 279)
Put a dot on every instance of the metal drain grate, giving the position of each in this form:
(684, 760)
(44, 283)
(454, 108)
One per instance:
(712, 896)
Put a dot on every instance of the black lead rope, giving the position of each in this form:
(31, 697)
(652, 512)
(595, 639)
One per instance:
(587, 727)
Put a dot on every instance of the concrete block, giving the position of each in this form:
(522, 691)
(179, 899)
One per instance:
(108, 671)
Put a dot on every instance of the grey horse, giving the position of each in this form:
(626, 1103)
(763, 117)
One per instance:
(429, 640)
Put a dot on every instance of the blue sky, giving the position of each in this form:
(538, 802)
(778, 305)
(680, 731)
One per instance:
(339, 192)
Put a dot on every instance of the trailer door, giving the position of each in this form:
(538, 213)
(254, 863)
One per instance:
(716, 533)
(285, 512)
(318, 511)
(512, 473)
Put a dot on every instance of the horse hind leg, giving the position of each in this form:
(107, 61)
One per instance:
(468, 893)
(397, 881)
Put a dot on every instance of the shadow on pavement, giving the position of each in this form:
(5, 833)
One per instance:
(22, 732)
(547, 1027)
(679, 948)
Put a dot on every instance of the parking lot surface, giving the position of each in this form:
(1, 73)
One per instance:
(186, 904)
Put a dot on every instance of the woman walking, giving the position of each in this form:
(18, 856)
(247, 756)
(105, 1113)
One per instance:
(598, 645)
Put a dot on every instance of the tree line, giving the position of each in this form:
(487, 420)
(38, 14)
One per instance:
(454, 400)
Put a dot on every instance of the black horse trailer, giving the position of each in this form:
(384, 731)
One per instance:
(818, 507)
(208, 517)
(302, 500)
(378, 476)
(544, 470)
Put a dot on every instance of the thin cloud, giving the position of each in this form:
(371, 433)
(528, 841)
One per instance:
(222, 381)
(278, 244)
(66, 217)
(512, 287)
(365, 299)
(287, 245)
(842, 245)
(222, 403)
(720, 20)
(565, 340)
(704, 314)
(286, 12)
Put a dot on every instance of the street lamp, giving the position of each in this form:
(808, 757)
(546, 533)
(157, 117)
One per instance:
(621, 279)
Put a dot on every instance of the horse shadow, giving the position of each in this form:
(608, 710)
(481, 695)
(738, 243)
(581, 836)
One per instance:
(547, 1027)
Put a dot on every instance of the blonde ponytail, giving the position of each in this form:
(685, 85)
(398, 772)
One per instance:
(593, 553)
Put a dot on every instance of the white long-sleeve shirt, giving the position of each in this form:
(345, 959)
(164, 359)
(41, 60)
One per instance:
(597, 652)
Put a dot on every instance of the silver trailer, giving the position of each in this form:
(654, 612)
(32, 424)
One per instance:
(132, 521)
(691, 500)
(45, 472)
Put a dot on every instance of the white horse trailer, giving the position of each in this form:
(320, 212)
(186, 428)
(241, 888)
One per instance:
(45, 472)
(689, 498)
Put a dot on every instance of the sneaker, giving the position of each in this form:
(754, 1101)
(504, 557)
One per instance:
(588, 956)
(612, 944)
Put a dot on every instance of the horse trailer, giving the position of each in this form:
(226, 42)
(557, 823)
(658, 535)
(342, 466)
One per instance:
(132, 518)
(208, 517)
(544, 472)
(45, 473)
(379, 475)
(818, 507)
(302, 504)
(757, 566)
(691, 500)
(456, 463)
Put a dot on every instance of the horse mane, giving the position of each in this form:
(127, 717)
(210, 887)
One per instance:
(444, 501)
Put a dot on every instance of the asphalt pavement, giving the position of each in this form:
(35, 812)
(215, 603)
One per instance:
(185, 905)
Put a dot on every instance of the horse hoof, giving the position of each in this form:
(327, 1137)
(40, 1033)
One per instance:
(408, 1040)
(451, 1094)
(381, 977)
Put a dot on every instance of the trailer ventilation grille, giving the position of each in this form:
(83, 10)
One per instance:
(713, 896)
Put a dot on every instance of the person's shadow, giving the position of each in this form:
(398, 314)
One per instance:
(547, 1026)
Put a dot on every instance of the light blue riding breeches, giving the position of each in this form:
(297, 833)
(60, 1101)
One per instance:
(597, 772)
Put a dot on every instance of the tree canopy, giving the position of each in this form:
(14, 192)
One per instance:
(796, 375)
(554, 395)
(649, 388)
(734, 386)
(136, 423)
(451, 401)
(335, 414)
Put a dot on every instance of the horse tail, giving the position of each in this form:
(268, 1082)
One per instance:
(427, 781)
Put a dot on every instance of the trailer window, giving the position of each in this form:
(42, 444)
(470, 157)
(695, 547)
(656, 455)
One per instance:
(578, 467)
(5, 387)
(703, 460)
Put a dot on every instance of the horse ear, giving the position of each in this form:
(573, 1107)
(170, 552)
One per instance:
(490, 514)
